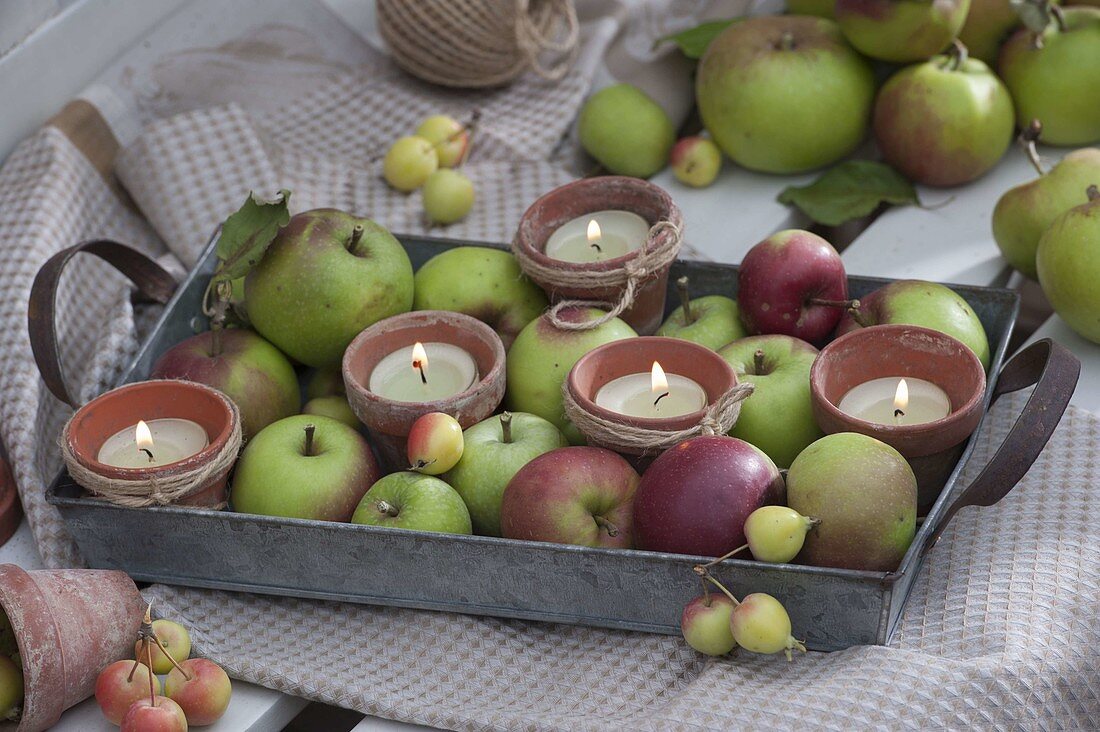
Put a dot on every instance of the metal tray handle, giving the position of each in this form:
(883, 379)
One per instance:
(151, 279)
(1053, 370)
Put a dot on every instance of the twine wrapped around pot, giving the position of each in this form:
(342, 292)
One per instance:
(479, 43)
(156, 490)
(660, 250)
(718, 419)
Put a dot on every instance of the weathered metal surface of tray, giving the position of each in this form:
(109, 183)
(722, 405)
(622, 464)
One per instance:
(631, 590)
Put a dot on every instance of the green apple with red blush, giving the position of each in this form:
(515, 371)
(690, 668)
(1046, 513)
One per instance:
(449, 137)
(760, 624)
(705, 624)
(711, 320)
(572, 495)
(901, 31)
(944, 122)
(542, 356)
(776, 534)
(778, 417)
(414, 501)
(118, 686)
(695, 161)
(1069, 265)
(202, 689)
(434, 443)
(988, 24)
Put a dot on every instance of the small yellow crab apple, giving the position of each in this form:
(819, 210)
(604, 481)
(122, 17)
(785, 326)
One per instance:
(435, 443)
(449, 136)
(761, 624)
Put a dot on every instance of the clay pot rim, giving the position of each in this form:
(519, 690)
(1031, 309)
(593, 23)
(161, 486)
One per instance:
(51, 706)
(574, 191)
(969, 411)
(203, 456)
(683, 421)
(459, 321)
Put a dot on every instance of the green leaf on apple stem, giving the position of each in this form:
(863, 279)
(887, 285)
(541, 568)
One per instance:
(850, 190)
(694, 41)
(246, 234)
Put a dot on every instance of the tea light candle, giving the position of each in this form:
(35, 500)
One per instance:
(652, 395)
(424, 372)
(896, 401)
(153, 444)
(597, 237)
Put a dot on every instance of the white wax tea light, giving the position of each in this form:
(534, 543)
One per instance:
(424, 372)
(153, 444)
(896, 401)
(652, 395)
(598, 236)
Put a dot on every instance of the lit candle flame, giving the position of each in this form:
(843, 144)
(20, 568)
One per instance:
(143, 436)
(901, 398)
(594, 233)
(420, 361)
(658, 379)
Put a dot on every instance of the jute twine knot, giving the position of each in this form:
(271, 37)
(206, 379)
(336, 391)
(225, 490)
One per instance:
(479, 43)
(156, 490)
(660, 250)
(718, 419)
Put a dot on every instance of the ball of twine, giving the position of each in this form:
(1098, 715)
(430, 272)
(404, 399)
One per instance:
(718, 419)
(660, 250)
(156, 490)
(479, 43)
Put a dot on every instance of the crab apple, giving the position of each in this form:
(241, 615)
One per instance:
(760, 624)
(174, 637)
(448, 196)
(11, 687)
(435, 443)
(205, 696)
(776, 533)
(695, 161)
(449, 137)
(705, 624)
(409, 162)
(116, 690)
(159, 714)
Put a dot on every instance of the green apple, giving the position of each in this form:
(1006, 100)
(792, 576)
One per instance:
(496, 448)
(484, 283)
(711, 320)
(1024, 213)
(242, 365)
(174, 637)
(778, 417)
(307, 466)
(987, 25)
(705, 624)
(864, 494)
(448, 196)
(943, 122)
(334, 406)
(695, 161)
(820, 8)
(326, 277)
(625, 131)
(782, 94)
(409, 162)
(449, 137)
(542, 356)
(1069, 264)
(408, 500)
(901, 30)
(1058, 84)
(327, 381)
(927, 304)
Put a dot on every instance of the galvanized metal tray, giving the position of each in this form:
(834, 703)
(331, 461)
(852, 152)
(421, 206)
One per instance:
(624, 589)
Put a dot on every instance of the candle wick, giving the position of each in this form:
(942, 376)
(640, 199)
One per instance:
(420, 368)
(596, 246)
(899, 413)
(659, 398)
(148, 452)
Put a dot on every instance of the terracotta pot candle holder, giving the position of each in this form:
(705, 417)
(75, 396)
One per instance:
(913, 353)
(632, 425)
(196, 478)
(632, 284)
(390, 419)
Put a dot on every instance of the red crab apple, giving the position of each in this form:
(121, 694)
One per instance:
(792, 283)
(705, 624)
(572, 495)
(695, 161)
(159, 714)
(174, 637)
(120, 685)
(435, 443)
(694, 498)
(205, 696)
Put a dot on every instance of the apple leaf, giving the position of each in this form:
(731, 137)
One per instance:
(850, 190)
(694, 41)
(246, 234)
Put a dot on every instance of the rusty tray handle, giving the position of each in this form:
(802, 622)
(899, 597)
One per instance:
(151, 279)
(1053, 370)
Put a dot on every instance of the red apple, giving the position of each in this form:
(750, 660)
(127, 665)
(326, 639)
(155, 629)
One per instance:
(792, 283)
(205, 696)
(116, 690)
(164, 716)
(572, 495)
(694, 498)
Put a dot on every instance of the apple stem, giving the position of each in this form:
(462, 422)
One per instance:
(506, 428)
(826, 303)
(857, 315)
(786, 41)
(421, 464)
(706, 590)
(149, 657)
(957, 55)
(685, 299)
(387, 508)
(166, 652)
(758, 362)
(1059, 17)
(722, 558)
(1093, 192)
(309, 430)
(1029, 138)
(353, 240)
(611, 529)
(722, 587)
(223, 291)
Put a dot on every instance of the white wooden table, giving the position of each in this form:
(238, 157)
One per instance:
(952, 243)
